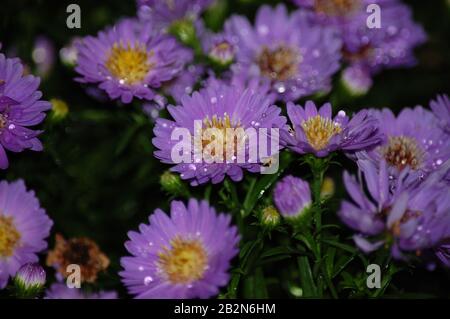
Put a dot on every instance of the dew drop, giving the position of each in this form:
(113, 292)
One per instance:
(147, 280)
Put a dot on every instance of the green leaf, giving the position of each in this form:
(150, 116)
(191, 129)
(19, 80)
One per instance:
(308, 239)
(255, 285)
(341, 264)
(258, 188)
(306, 277)
(281, 250)
(339, 245)
(329, 261)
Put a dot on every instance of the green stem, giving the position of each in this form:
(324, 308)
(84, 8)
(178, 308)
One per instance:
(318, 168)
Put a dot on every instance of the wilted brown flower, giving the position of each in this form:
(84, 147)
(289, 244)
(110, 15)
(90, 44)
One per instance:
(81, 251)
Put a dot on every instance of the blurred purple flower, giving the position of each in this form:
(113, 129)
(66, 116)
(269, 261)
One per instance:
(130, 60)
(441, 109)
(389, 46)
(186, 255)
(298, 57)
(165, 12)
(61, 291)
(408, 219)
(184, 83)
(413, 139)
(43, 55)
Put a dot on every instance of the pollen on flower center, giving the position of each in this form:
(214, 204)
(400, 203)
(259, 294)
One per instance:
(9, 236)
(279, 64)
(402, 151)
(229, 143)
(3, 120)
(319, 131)
(396, 227)
(337, 7)
(184, 262)
(129, 64)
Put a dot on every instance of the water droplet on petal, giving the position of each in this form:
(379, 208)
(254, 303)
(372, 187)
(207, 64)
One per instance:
(147, 280)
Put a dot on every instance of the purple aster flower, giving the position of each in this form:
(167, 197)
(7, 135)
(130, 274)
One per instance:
(441, 109)
(413, 139)
(209, 116)
(315, 131)
(165, 12)
(409, 219)
(61, 291)
(186, 255)
(219, 48)
(24, 226)
(292, 196)
(389, 46)
(20, 107)
(130, 60)
(298, 57)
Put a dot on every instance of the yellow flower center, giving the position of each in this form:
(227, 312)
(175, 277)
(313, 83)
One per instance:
(402, 151)
(9, 236)
(184, 262)
(279, 64)
(337, 7)
(319, 131)
(129, 64)
(230, 142)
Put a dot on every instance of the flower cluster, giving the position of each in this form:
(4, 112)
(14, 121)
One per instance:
(369, 46)
(227, 106)
(408, 219)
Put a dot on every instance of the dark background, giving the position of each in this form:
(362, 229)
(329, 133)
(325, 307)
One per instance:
(97, 176)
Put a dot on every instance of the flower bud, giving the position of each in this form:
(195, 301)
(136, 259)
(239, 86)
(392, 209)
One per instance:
(270, 217)
(29, 280)
(327, 189)
(172, 184)
(60, 109)
(222, 51)
(292, 197)
(184, 31)
(356, 80)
